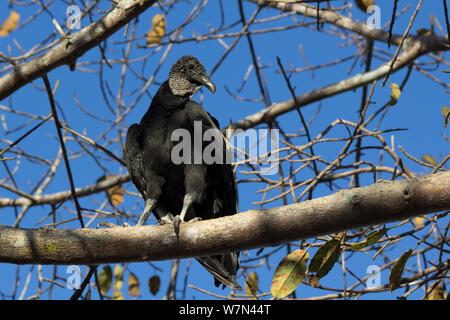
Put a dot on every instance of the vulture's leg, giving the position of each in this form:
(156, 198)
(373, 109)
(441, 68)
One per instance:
(151, 195)
(187, 201)
(149, 205)
(194, 181)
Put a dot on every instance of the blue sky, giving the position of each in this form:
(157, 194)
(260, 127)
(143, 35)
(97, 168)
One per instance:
(418, 111)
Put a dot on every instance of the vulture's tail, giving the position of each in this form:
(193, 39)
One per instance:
(223, 268)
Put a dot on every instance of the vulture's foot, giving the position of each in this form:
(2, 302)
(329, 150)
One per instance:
(176, 225)
(168, 218)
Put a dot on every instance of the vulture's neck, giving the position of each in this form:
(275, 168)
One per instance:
(167, 100)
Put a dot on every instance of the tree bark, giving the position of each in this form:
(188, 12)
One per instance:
(382, 202)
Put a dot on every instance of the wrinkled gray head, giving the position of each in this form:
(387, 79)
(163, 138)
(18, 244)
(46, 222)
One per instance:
(186, 75)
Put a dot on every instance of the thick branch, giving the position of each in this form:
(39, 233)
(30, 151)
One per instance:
(382, 202)
(68, 50)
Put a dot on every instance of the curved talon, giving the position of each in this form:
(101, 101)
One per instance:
(176, 225)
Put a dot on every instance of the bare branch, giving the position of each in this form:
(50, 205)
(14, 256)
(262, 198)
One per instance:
(347, 209)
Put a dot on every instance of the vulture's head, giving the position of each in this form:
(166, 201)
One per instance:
(186, 75)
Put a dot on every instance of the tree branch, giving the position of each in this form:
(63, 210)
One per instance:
(73, 46)
(382, 202)
(417, 46)
(58, 197)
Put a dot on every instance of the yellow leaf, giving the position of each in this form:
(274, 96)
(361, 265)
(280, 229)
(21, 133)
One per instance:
(117, 295)
(118, 282)
(395, 94)
(436, 294)
(446, 113)
(157, 31)
(251, 285)
(10, 24)
(289, 273)
(118, 277)
(364, 4)
(133, 285)
(105, 279)
(418, 221)
(115, 194)
(429, 159)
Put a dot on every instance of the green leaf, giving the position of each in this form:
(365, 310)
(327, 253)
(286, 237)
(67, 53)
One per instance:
(251, 285)
(154, 282)
(429, 159)
(395, 276)
(289, 273)
(424, 32)
(118, 277)
(325, 258)
(395, 94)
(133, 285)
(105, 279)
(370, 239)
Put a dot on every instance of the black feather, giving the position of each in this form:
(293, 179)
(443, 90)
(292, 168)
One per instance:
(148, 154)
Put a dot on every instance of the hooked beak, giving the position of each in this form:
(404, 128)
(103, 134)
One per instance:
(207, 83)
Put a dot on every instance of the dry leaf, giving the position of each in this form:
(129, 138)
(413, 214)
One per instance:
(446, 113)
(438, 293)
(313, 280)
(157, 31)
(418, 221)
(133, 285)
(154, 282)
(115, 194)
(289, 273)
(10, 24)
(251, 285)
(364, 4)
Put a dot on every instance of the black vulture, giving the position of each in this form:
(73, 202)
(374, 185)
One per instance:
(189, 190)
